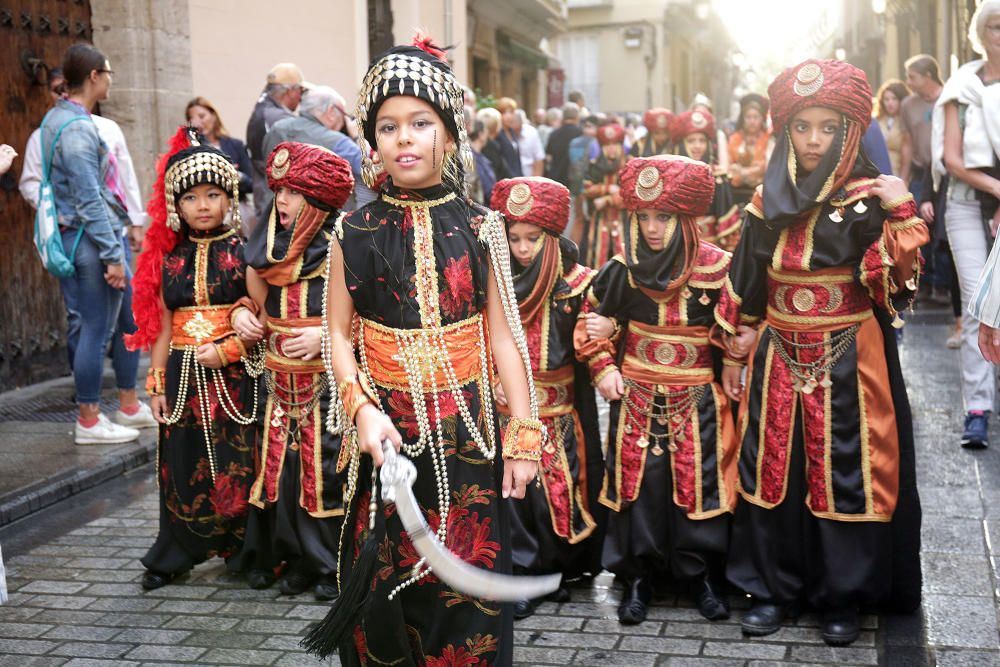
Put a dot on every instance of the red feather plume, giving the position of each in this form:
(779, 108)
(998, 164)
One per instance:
(426, 43)
(160, 240)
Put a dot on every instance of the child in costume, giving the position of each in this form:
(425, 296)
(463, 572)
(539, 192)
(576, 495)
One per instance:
(297, 494)
(670, 479)
(658, 138)
(420, 305)
(830, 251)
(602, 237)
(202, 379)
(694, 135)
(553, 528)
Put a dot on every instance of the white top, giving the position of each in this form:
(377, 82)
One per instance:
(529, 145)
(111, 134)
(981, 134)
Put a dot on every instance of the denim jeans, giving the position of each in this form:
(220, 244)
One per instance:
(93, 309)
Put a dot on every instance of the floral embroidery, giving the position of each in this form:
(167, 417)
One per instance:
(229, 497)
(458, 290)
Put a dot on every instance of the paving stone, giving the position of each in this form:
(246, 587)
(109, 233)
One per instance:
(183, 592)
(240, 594)
(59, 601)
(68, 616)
(905, 630)
(271, 626)
(148, 636)
(956, 574)
(954, 501)
(568, 639)
(953, 536)
(305, 660)
(952, 658)
(9, 613)
(54, 587)
(126, 620)
(543, 656)
(675, 614)
(661, 645)
(746, 649)
(90, 662)
(91, 633)
(83, 649)
(231, 640)
(252, 609)
(596, 625)
(241, 657)
(30, 661)
(588, 609)
(26, 646)
(188, 607)
(22, 630)
(699, 662)
(167, 652)
(835, 655)
(625, 659)
(123, 604)
(313, 612)
(207, 623)
(114, 590)
(281, 643)
(964, 622)
(111, 576)
(102, 563)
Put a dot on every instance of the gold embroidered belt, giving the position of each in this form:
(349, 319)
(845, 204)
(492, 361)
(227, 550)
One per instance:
(281, 331)
(821, 300)
(667, 355)
(555, 392)
(196, 325)
(441, 356)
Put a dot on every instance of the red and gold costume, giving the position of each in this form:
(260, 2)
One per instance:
(602, 238)
(550, 293)
(657, 140)
(721, 225)
(296, 491)
(822, 267)
(671, 477)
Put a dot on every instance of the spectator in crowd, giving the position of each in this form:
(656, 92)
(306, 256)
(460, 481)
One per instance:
(280, 98)
(7, 155)
(557, 148)
(492, 122)
(125, 362)
(924, 80)
(322, 121)
(888, 104)
(966, 136)
(480, 179)
(202, 116)
(551, 120)
(576, 97)
(529, 146)
(507, 138)
(578, 164)
(91, 204)
(875, 148)
(749, 147)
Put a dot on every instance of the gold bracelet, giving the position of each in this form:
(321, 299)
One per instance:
(155, 381)
(354, 394)
(893, 203)
(222, 354)
(523, 439)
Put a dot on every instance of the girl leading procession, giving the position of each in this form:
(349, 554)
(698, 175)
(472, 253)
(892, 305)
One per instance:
(830, 252)
(670, 479)
(296, 494)
(417, 280)
(202, 379)
(553, 529)
(603, 232)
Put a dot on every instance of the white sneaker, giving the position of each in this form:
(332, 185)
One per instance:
(141, 419)
(954, 341)
(104, 432)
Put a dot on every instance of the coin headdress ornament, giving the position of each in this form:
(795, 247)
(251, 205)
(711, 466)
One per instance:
(200, 165)
(419, 70)
(535, 200)
(835, 84)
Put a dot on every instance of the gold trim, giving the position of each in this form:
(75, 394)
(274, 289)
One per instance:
(810, 279)
(424, 204)
(866, 465)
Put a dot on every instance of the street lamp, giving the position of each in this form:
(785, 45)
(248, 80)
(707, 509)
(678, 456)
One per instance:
(878, 6)
(701, 9)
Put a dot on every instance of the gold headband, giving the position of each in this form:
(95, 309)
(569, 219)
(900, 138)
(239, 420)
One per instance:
(198, 169)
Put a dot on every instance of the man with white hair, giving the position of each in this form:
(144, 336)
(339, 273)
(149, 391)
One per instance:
(529, 146)
(322, 121)
(279, 99)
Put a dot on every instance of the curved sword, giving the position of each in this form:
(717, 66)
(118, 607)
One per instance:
(398, 474)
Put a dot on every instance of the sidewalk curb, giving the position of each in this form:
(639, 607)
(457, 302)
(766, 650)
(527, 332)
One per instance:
(44, 493)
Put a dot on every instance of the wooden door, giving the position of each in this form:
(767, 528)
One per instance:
(33, 35)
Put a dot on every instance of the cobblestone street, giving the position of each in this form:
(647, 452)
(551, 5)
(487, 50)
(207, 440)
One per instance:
(73, 574)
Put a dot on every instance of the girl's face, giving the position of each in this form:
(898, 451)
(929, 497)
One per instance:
(812, 131)
(612, 151)
(523, 239)
(889, 104)
(753, 121)
(202, 120)
(657, 227)
(288, 203)
(204, 206)
(412, 141)
(696, 145)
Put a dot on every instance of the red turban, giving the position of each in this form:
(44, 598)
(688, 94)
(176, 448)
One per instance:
(667, 183)
(691, 122)
(315, 171)
(612, 133)
(657, 119)
(821, 83)
(532, 199)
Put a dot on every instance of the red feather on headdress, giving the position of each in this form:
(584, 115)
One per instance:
(426, 43)
(160, 240)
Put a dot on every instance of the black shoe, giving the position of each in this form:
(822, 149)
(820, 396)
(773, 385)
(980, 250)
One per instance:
(840, 627)
(296, 581)
(763, 619)
(524, 608)
(326, 587)
(561, 594)
(712, 603)
(152, 580)
(975, 435)
(260, 579)
(632, 610)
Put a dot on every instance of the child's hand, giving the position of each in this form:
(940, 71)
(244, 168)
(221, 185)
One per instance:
(732, 382)
(599, 326)
(888, 188)
(305, 345)
(208, 356)
(995, 223)
(158, 404)
(247, 327)
(612, 387)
